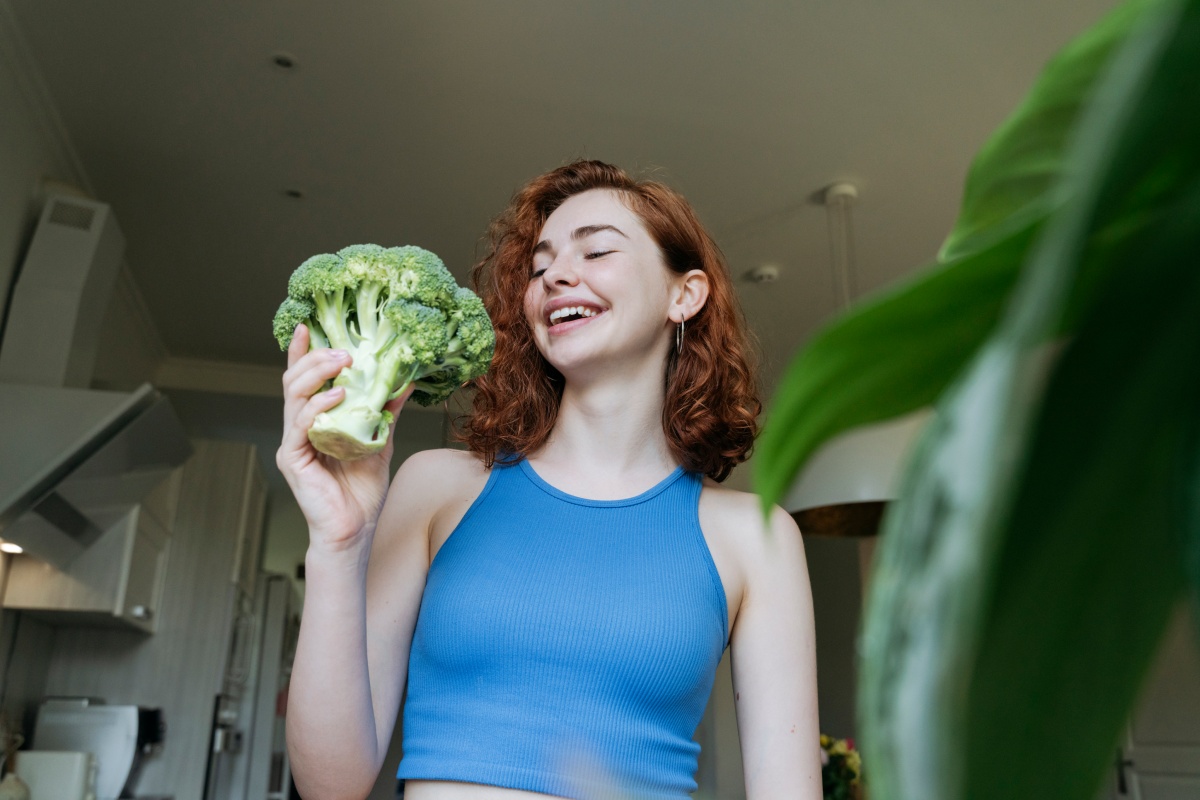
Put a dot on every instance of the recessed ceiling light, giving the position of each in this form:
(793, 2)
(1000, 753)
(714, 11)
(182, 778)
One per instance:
(9, 547)
(295, 194)
(767, 273)
(283, 60)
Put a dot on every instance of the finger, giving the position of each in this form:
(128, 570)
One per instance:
(300, 387)
(295, 435)
(306, 377)
(310, 373)
(299, 344)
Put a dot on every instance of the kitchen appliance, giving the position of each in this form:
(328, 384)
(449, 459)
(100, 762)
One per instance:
(119, 737)
(57, 775)
(75, 460)
(248, 753)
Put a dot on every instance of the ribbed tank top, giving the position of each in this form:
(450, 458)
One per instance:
(564, 645)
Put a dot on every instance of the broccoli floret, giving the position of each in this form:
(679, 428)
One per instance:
(402, 318)
(322, 282)
(468, 352)
(472, 340)
(421, 276)
(437, 388)
(291, 313)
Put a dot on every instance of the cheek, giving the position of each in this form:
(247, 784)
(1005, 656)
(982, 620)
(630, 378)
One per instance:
(533, 303)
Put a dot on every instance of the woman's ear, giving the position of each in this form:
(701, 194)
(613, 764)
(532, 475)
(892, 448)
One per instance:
(690, 295)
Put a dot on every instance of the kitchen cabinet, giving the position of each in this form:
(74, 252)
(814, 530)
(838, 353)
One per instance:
(182, 668)
(118, 580)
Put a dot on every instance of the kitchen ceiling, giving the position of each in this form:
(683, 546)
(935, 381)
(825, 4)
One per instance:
(413, 122)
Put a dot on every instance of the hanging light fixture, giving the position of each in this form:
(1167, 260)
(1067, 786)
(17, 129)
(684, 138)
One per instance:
(845, 487)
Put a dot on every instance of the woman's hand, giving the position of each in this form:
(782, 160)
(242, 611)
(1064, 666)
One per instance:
(340, 500)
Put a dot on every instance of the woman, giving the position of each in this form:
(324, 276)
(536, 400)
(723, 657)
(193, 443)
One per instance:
(554, 605)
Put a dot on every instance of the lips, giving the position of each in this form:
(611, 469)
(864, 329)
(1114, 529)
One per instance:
(571, 313)
(569, 310)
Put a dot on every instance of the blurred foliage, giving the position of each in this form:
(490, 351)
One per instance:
(1050, 517)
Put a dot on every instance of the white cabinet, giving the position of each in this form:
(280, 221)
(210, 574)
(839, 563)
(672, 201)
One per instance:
(118, 580)
(183, 667)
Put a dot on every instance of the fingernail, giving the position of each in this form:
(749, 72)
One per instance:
(340, 355)
(296, 330)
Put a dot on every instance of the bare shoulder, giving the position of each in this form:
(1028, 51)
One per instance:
(437, 468)
(430, 479)
(739, 517)
(437, 487)
(744, 542)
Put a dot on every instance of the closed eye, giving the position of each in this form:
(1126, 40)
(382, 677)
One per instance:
(537, 273)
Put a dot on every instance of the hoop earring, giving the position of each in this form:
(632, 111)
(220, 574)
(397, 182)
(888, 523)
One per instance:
(679, 338)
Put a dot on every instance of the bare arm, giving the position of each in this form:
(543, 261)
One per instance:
(352, 655)
(352, 652)
(773, 655)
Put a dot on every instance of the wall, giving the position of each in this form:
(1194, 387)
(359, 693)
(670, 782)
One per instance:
(35, 154)
(29, 153)
(33, 148)
(833, 567)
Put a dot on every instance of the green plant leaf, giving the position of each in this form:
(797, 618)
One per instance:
(897, 353)
(886, 357)
(1011, 178)
(1089, 566)
(1030, 566)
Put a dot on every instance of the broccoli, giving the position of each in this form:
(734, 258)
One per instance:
(468, 351)
(404, 320)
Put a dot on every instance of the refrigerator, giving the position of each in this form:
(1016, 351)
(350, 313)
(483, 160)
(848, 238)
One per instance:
(247, 758)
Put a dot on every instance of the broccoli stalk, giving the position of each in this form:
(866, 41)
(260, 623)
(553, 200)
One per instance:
(402, 318)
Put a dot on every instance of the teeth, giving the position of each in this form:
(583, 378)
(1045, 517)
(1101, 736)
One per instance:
(577, 311)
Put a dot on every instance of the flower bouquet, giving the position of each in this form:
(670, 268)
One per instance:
(841, 769)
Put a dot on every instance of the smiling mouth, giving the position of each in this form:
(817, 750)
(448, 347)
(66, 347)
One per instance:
(571, 313)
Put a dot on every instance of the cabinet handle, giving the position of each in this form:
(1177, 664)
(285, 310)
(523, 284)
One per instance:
(141, 612)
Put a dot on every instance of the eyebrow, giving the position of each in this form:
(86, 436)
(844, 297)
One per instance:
(577, 234)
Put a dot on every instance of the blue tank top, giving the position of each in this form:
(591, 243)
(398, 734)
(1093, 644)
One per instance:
(566, 646)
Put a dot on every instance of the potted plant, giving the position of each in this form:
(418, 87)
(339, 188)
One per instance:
(1049, 518)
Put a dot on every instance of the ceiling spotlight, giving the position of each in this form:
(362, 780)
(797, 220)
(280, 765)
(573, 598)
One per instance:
(283, 60)
(9, 547)
(767, 273)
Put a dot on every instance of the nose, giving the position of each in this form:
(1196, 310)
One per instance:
(560, 272)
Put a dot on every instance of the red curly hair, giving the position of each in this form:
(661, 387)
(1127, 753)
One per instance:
(710, 414)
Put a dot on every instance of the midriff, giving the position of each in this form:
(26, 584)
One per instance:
(453, 790)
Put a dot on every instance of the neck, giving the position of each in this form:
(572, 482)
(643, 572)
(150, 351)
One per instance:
(610, 430)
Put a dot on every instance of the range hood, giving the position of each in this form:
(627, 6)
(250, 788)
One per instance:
(73, 460)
